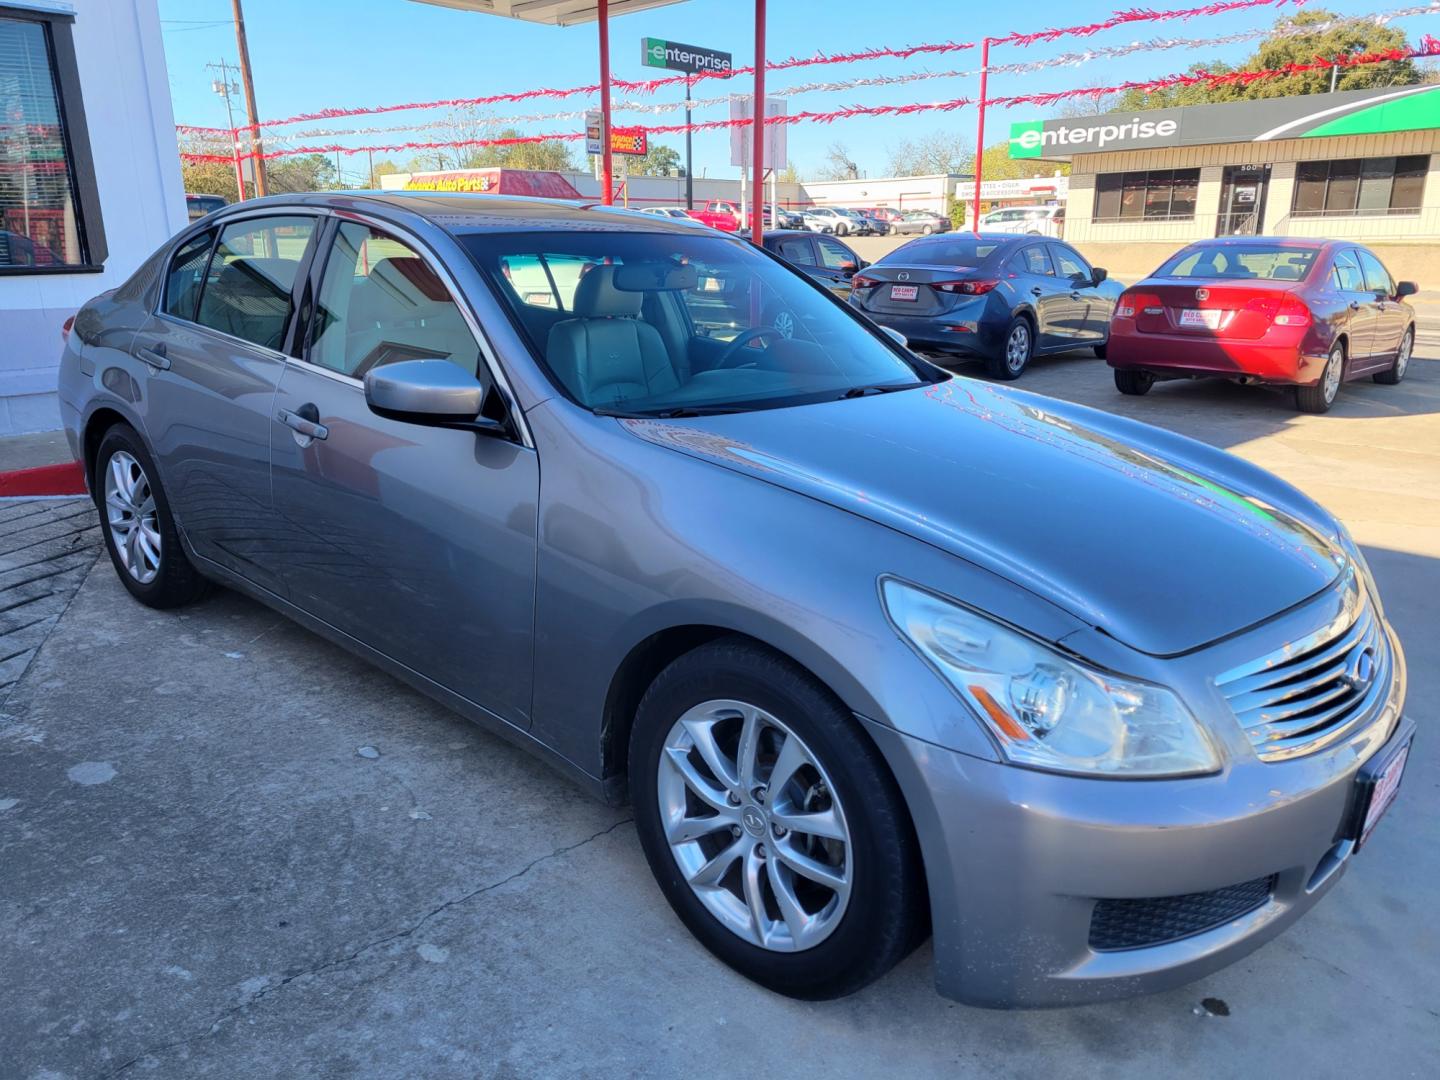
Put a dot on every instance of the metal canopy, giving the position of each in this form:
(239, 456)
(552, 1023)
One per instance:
(550, 12)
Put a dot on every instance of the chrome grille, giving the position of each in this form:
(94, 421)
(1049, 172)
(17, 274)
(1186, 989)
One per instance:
(1317, 690)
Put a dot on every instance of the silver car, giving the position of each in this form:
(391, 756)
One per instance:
(873, 650)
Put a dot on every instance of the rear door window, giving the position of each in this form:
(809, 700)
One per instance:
(1032, 260)
(1347, 275)
(796, 249)
(251, 277)
(187, 274)
(1377, 278)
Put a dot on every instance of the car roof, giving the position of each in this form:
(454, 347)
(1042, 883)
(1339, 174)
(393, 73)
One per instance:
(466, 212)
(1300, 243)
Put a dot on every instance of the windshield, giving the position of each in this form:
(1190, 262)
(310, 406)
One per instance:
(1274, 262)
(654, 324)
(965, 251)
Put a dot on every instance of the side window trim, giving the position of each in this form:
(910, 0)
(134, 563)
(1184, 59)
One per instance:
(163, 301)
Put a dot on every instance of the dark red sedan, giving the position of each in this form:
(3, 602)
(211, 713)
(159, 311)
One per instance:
(1289, 312)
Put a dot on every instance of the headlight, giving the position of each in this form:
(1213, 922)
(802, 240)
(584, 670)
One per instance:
(1045, 709)
(1362, 567)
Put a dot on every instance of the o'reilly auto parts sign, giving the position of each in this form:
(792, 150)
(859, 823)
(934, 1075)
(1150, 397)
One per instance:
(692, 59)
(1306, 116)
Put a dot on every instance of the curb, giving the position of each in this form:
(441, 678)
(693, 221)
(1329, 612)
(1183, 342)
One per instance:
(67, 479)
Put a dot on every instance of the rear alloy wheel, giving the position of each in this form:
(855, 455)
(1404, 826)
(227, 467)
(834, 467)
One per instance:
(1015, 352)
(1319, 398)
(1135, 383)
(927, 229)
(1402, 361)
(771, 823)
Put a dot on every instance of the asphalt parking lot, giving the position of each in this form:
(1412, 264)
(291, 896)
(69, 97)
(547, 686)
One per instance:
(228, 849)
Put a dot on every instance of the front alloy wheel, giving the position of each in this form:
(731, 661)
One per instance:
(754, 825)
(1396, 371)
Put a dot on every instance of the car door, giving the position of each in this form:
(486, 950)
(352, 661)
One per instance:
(1392, 317)
(418, 541)
(215, 351)
(837, 265)
(1093, 305)
(1036, 284)
(1361, 308)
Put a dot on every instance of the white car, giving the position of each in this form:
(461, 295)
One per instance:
(816, 222)
(1026, 220)
(674, 213)
(841, 222)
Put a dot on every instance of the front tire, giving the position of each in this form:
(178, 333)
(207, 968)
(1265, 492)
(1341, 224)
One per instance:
(771, 823)
(1402, 361)
(1015, 351)
(927, 230)
(1319, 398)
(1102, 350)
(1134, 383)
(139, 528)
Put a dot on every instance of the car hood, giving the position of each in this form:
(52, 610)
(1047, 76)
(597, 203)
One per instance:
(1160, 541)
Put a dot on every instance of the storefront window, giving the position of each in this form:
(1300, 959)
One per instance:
(1158, 195)
(1387, 185)
(40, 226)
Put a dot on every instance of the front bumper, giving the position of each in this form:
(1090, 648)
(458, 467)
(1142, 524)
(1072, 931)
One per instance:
(1017, 861)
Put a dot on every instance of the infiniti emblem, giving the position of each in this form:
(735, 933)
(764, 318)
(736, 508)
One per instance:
(1202, 294)
(1360, 671)
(753, 820)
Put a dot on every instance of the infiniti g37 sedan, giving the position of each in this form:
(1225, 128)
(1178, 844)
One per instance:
(870, 648)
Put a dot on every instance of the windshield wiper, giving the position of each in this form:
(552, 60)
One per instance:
(865, 391)
(679, 412)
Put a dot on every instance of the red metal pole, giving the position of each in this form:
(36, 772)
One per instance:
(979, 136)
(607, 161)
(757, 133)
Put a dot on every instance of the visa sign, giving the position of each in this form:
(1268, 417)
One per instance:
(1031, 138)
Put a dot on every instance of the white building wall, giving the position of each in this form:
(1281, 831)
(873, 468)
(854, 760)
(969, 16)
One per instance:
(126, 94)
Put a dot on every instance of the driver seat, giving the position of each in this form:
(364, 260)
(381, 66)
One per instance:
(606, 354)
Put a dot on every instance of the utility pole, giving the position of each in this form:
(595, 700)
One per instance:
(225, 87)
(261, 187)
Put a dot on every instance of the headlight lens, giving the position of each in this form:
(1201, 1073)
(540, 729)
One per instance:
(1047, 710)
(1362, 567)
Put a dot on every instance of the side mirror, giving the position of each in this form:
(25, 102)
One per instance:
(895, 336)
(1098, 274)
(1405, 288)
(431, 392)
(847, 268)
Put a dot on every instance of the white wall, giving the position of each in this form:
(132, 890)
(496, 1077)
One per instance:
(126, 95)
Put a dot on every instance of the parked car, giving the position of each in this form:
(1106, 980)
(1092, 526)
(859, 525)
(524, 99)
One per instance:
(1308, 314)
(878, 226)
(1027, 220)
(810, 221)
(780, 217)
(1002, 299)
(724, 220)
(887, 214)
(852, 635)
(727, 206)
(842, 222)
(673, 213)
(924, 222)
(823, 258)
(197, 206)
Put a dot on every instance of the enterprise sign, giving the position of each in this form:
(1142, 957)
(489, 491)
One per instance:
(1304, 116)
(692, 59)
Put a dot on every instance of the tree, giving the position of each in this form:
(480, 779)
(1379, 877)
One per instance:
(790, 174)
(931, 155)
(302, 172)
(1098, 105)
(658, 161)
(208, 177)
(838, 164)
(1331, 36)
(382, 168)
(999, 165)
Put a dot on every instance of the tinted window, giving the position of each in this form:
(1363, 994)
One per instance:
(1161, 193)
(797, 250)
(1348, 277)
(1377, 279)
(1239, 261)
(667, 322)
(1068, 263)
(960, 251)
(1384, 185)
(380, 302)
(187, 272)
(1032, 260)
(835, 255)
(251, 276)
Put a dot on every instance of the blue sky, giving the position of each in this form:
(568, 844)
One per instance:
(322, 53)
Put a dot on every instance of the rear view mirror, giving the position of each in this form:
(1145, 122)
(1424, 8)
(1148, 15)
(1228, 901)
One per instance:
(1406, 288)
(659, 276)
(434, 392)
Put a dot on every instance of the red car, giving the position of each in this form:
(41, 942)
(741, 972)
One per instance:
(1285, 312)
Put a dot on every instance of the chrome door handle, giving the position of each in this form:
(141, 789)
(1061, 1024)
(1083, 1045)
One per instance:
(1354, 305)
(1037, 291)
(305, 426)
(155, 357)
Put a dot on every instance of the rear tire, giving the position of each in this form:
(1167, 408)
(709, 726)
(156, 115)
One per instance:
(1319, 398)
(139, 528)
(1134, 383)
(1402, 361)
(836, 945)
(1015, 351)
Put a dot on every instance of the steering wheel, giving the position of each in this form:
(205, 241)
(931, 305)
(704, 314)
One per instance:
(741, 340)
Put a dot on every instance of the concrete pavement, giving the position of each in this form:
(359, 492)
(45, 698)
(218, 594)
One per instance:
(228, 849)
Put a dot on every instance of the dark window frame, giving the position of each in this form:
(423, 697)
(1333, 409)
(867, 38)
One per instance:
(89, 221)
(1147, 182)
(1401, 165)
